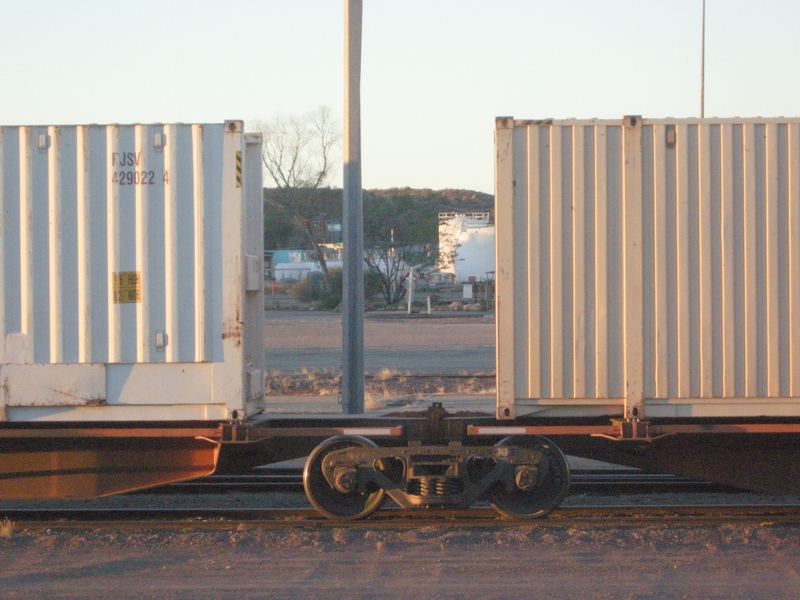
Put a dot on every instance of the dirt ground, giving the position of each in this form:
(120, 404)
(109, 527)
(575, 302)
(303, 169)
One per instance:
(454, 345)
(527, 560)
(319, 330)
(432, 562)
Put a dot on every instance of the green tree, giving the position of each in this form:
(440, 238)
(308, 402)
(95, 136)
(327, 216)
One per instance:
(280, 231)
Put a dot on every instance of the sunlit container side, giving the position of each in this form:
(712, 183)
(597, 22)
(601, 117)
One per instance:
(648, 267)
(129, 272)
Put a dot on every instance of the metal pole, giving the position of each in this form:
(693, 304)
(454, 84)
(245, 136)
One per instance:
(410, 288)
(703, 66)
(353, 228)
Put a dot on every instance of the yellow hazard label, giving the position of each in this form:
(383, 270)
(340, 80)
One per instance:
(127, 287)
(238, 169)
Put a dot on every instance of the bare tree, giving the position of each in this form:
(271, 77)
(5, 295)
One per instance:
(391, 263)
(388, 264)
(299, 154)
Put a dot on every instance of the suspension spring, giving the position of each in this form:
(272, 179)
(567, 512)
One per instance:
(431, 486)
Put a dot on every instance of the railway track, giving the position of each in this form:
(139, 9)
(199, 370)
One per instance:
(583, 481)
(391, 518)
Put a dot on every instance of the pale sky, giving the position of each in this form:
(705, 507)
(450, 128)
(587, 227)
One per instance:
(435, 73)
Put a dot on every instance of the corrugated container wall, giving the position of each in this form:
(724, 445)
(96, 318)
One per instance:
(130, 264)
(648, 268)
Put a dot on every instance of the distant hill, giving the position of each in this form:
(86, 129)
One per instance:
(404, 214)
(438, 200)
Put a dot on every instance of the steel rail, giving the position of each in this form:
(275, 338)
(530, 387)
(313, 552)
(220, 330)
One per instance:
(391, 518)
(583, 481)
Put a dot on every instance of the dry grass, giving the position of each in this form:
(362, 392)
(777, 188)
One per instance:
(371, 403)
(388, 374)
(6, 528)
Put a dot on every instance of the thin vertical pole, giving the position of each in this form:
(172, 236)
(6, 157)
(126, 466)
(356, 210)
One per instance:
(703, 66)
(353, 234)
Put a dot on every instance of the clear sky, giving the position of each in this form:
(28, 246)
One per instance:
(435, 72)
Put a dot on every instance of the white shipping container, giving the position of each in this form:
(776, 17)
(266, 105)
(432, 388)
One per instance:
(131, 278)
(648, 267)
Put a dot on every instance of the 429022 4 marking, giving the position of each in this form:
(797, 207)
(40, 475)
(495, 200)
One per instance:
(139, 177)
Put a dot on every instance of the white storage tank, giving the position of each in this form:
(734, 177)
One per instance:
(131, 279)
(466, 245)
(648, 267)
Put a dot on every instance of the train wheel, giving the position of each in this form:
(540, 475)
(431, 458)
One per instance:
(328, 500)
(538, 491)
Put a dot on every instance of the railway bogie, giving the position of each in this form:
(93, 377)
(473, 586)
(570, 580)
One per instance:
(346, 477)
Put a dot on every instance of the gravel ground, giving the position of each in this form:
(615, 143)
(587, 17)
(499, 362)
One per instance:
(298, 500)
(431, 562)
(440, 561)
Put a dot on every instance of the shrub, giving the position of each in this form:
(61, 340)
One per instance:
(310, 289)
(332, 299)
(304, 291)
(372, 284)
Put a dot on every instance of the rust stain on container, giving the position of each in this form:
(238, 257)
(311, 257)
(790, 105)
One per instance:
(70, 399)
(232, 330)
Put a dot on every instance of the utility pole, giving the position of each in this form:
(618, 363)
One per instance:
(353, 226)
(703, 66)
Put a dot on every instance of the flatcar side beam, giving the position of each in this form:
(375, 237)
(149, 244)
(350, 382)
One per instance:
(88, 466)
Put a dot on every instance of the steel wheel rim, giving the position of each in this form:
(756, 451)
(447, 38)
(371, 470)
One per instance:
(328, 501)
(544, 498)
